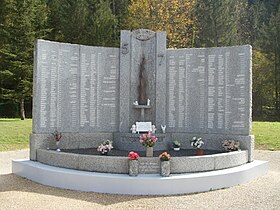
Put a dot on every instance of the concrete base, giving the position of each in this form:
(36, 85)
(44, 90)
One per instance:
(140, 185)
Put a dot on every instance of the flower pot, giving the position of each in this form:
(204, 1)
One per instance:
(57, 146)
(133, 168)
(176, 148)
(165, 168)
(199, 152)
(149, 151)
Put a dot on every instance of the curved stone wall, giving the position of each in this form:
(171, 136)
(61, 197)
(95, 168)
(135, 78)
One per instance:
(113, 164)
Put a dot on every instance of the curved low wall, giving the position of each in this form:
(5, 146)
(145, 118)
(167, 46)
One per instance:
(113, 164)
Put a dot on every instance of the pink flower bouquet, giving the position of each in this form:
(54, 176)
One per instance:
(148, 140)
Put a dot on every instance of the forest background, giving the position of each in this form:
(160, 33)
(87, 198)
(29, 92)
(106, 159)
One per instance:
(188, 24)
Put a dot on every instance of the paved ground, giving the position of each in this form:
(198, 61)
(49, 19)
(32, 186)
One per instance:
(20, 193)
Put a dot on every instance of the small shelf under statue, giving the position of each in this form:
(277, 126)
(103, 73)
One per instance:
(141, 106)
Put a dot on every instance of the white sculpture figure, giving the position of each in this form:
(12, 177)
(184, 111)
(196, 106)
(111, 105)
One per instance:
(133, 128)
(148, 102)
(135, 103)
(163, 127)
(154, 129)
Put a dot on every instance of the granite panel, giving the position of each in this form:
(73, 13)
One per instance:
(160, 80)
(65, 98)
(125, 65)
(99, 89)
(209, 90)
(45, 83)
(35, 104)
(77, 88)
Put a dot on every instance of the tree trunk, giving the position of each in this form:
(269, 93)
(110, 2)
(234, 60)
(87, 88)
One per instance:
(277, 74)
(276, 80)
(22, 112)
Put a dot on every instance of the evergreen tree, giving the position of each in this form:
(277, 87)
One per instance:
(266, 41)
(217, 23)
(21, 23)
(263, 87)
(269, 42)
(120, 11)
(242, 14)
(101, 24)
(73, 16)
(89, 22)
(54, 20)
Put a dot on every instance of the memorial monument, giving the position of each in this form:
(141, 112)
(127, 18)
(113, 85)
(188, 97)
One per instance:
(90, 94)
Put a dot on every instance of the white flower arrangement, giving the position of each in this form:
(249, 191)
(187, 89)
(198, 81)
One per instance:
(231, 145)
(105, 147)
(196, 142)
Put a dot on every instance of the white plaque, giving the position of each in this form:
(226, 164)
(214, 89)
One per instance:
(143, 126)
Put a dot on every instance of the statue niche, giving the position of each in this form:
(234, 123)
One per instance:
(142, 93)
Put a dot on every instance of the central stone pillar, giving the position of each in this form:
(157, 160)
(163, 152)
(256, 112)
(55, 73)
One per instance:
(137, 46)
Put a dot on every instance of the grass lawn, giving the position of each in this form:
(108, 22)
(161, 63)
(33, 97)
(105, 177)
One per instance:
(14, 134)
(267, 135)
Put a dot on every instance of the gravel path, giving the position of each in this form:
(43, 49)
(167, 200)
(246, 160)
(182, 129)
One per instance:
(20, 193)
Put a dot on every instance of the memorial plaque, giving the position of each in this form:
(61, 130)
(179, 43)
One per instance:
(209, 90)
(143, 126)
(46, 105)
(67, 88)
(99, 89)
(76, 88)
(149, 166)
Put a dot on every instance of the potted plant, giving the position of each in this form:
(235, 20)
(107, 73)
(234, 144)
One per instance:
(105, 147)
(197, 144)
(164, 164)
(148, 141)
(57, 136)
(176, 145)
(231, 145)
(133, 166)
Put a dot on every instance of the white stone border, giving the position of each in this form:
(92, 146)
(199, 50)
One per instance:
(140, 185)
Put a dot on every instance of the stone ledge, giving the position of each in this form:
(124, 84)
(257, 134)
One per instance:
(113, 164)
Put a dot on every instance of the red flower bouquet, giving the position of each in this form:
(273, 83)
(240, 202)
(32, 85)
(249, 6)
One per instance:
(133, 156)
